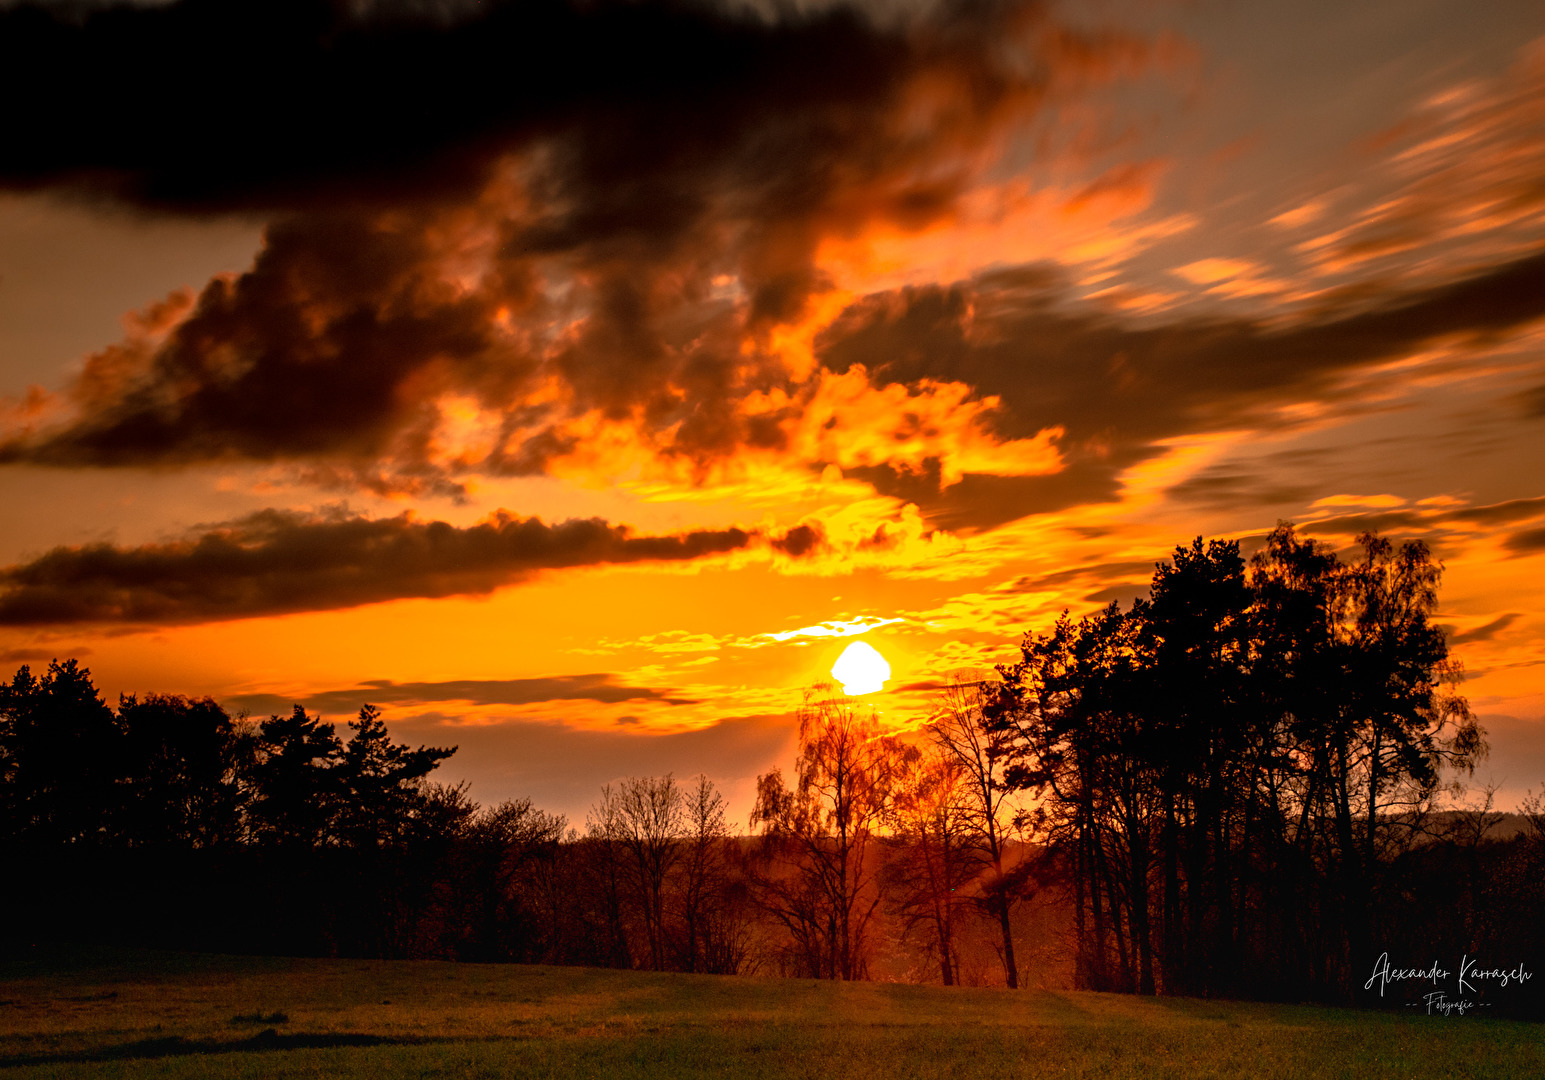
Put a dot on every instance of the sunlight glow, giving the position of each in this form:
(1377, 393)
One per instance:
(861, 669)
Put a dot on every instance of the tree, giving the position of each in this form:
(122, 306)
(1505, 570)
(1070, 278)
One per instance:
(499, 845)
(825, 827)
(1400, 726)
(61, 760)
(606, 872)
(646, 817)
(934, 860)
(1070, 725)
(382, 783)
(982, 752)
(188, 760)
(713, 938)
(296, 794)
(1256, 747)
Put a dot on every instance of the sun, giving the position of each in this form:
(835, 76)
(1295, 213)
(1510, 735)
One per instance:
(861, 669)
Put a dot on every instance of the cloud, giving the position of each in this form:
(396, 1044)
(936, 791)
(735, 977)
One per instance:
(1421, 519)
(585, 239)
(1526, 542)
(1465, 170)
(1485, 632)
(835, 628)
(1500, 513)
(206, 105)
(513, 234)
(273, 562)
(1534, 403)
(41, 654)
(800, 540)
(1117, 387)
(594, 687)
(1225, 487)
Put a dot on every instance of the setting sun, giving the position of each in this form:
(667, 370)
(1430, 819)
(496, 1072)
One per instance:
(861, 669)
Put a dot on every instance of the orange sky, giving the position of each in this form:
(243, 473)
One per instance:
(918, 329)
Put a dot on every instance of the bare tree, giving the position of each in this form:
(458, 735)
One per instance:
(499, 845)
(711, 901)
(702, 867)
(986, 807)
(605, 829)
(935, 859)
(646, 815)
(825, 826)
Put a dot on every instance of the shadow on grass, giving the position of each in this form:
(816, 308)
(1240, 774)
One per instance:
(177, 1046)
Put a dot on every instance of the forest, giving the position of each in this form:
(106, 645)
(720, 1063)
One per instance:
(1249, 784)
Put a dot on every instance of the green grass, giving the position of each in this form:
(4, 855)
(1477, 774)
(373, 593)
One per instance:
(171, 1015)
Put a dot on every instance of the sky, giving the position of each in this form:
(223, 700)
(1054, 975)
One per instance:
(576, 380)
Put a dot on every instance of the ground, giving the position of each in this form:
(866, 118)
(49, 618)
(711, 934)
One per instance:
(85, 1013)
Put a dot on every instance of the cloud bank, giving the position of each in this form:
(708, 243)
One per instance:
(511, 234)
(594, 687)
(275, 562)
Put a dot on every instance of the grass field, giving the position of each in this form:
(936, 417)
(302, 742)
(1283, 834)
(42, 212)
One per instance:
(171, 1015)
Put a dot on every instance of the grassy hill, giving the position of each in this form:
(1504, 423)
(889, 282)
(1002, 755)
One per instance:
(169, 1015)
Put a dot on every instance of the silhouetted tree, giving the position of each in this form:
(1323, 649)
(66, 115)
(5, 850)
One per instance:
(189, 761)
(982, 752)
(296, 791)
(382, 783)
(605, 858)
(497, 847)
(650, 823)
(713, 933)
(61, 760)
(933, 860)
(1261, 747)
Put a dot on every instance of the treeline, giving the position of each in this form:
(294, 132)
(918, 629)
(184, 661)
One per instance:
(1233, 787)
(168, 822)
(1242, 775)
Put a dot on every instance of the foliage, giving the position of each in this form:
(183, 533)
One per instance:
(1230, 766)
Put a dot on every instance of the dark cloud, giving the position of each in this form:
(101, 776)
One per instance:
(801, 540)
(1534, 403)
(274, 562)
(1526, 542)
(1125, 595)
(926, 686)
(595, 687)
(41, 654)
(1485, 632)
(1423, 520)
(1119, 386)
(982, 501)
(495, 200)
(578, 211)
(1225, 487)
(1501, 513)
(259, 372)
(282, 104)
(1377, 521)
(1097, 571)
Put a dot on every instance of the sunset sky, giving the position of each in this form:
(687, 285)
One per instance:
(575, 381)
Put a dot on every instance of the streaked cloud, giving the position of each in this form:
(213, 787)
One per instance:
(276, 562)
(480, 692)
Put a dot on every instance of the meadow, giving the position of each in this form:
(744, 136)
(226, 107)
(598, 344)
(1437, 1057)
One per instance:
(148, 1014)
